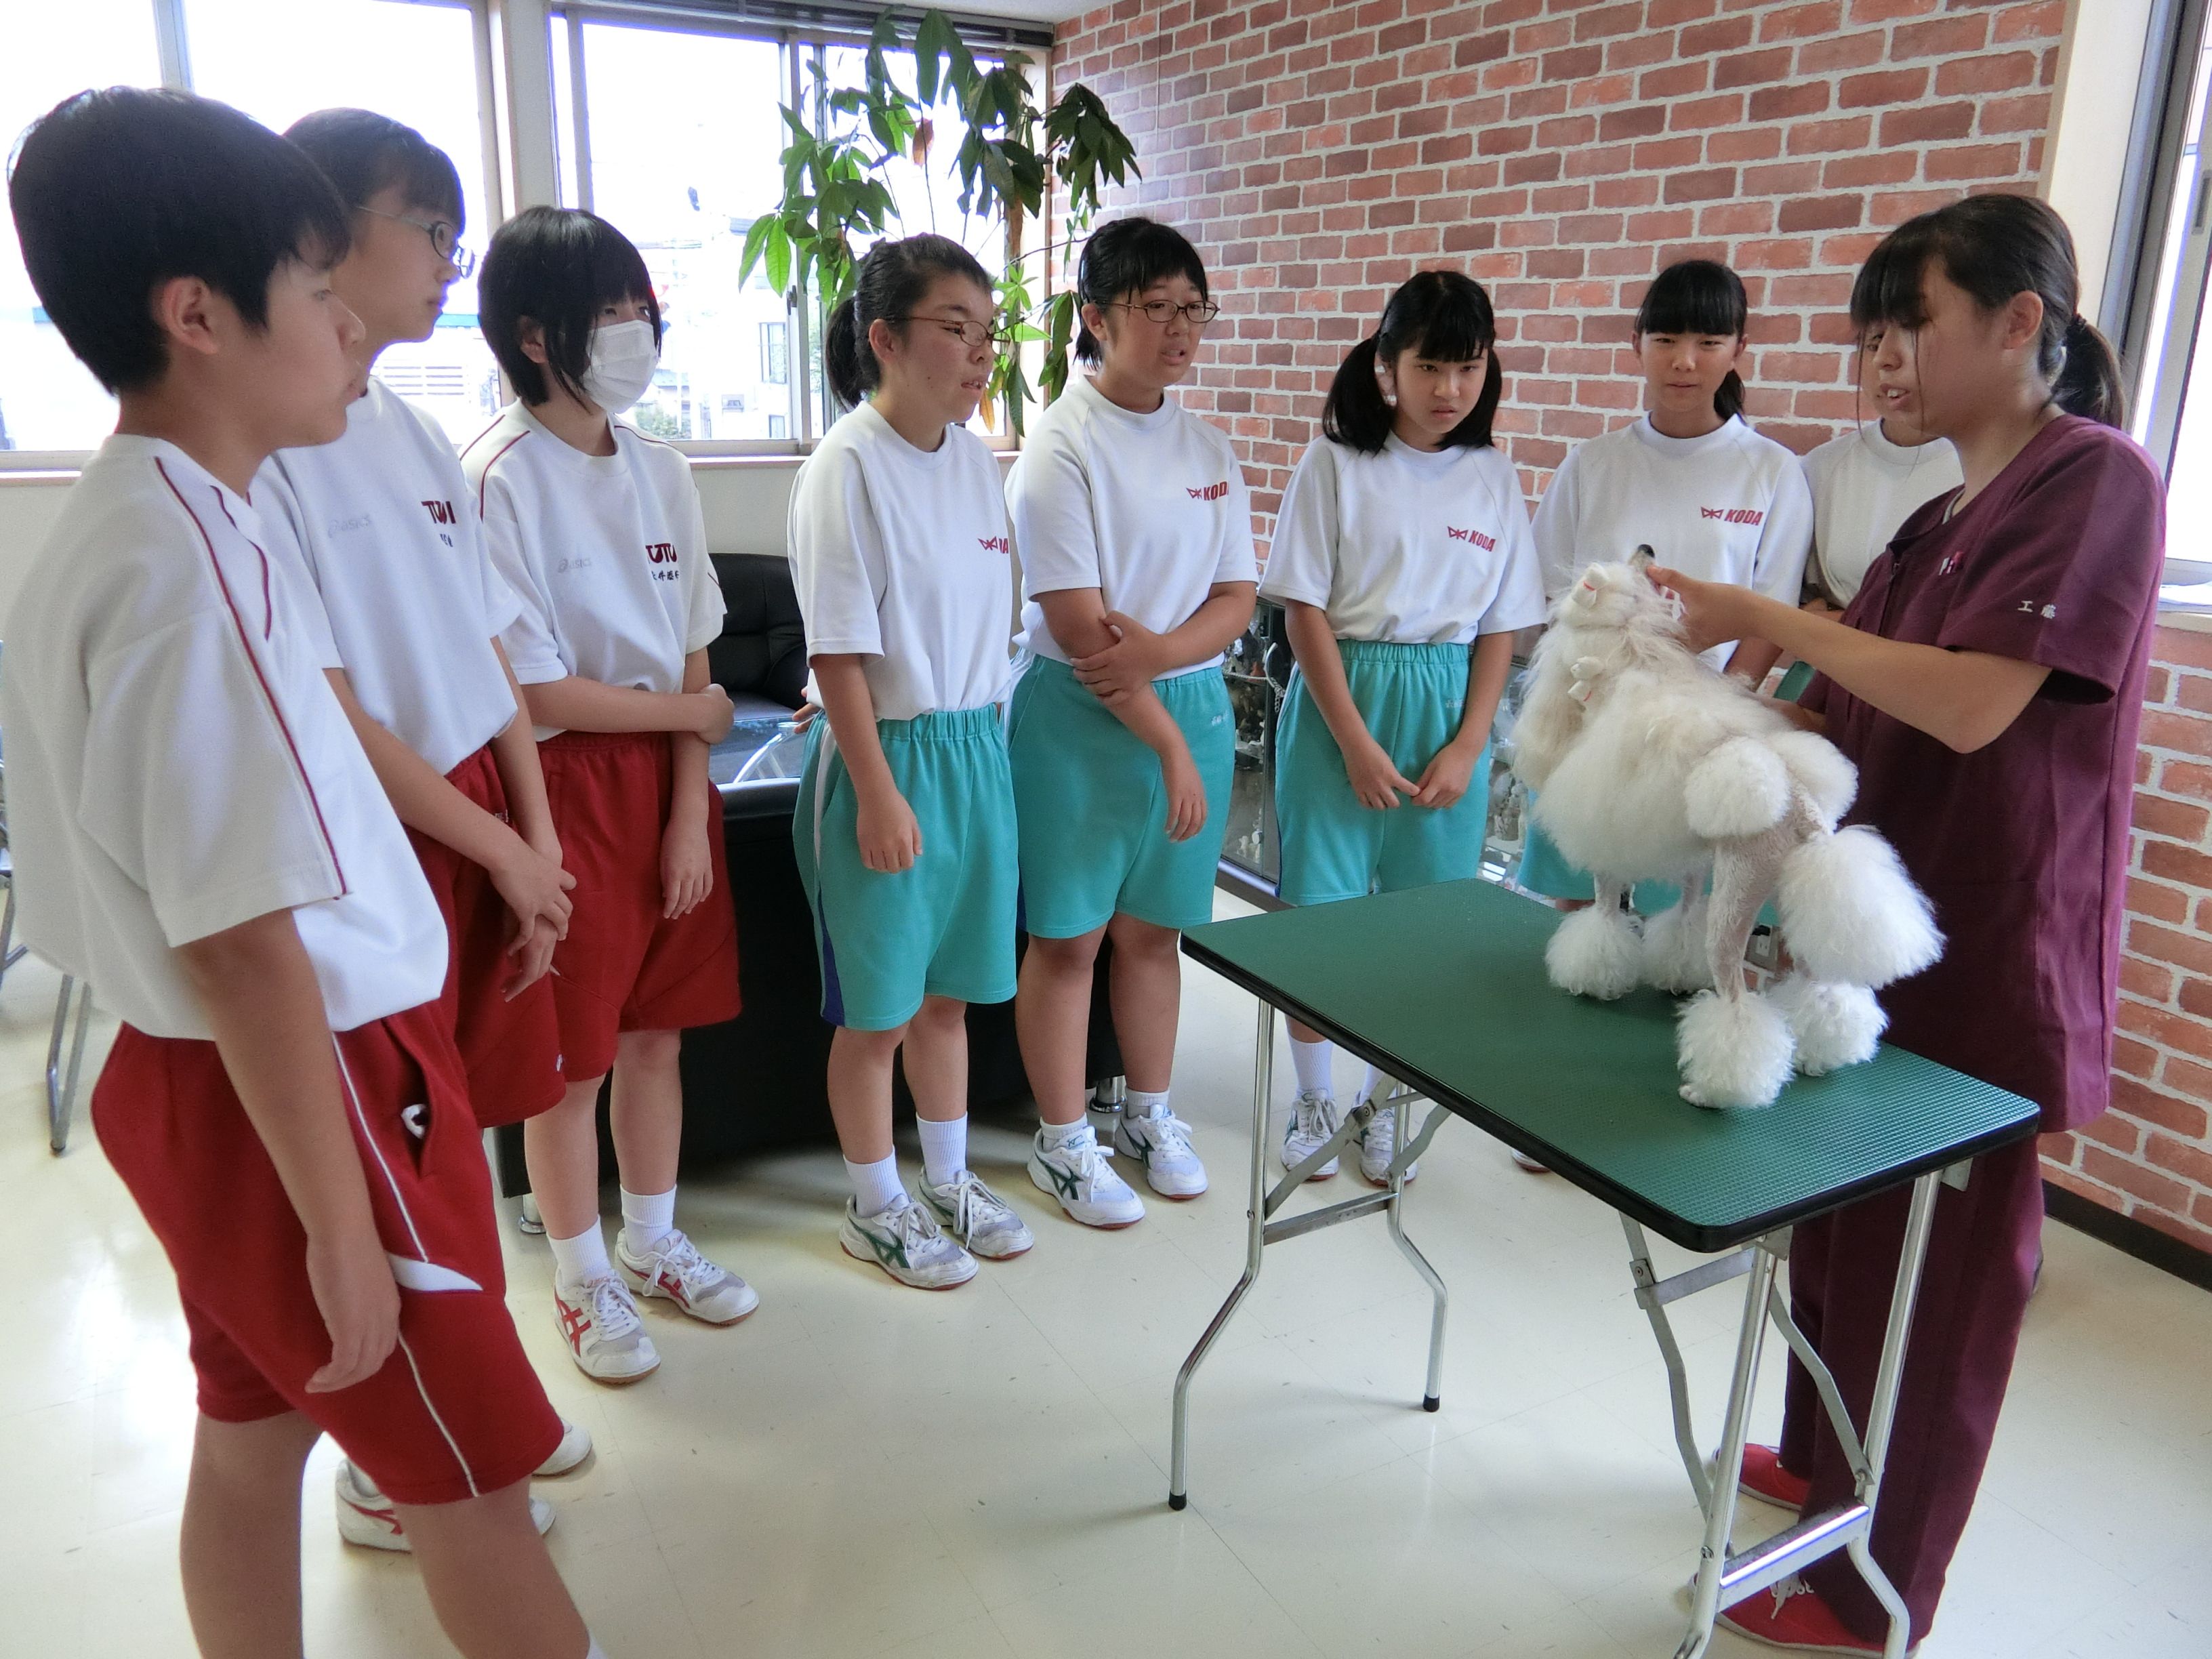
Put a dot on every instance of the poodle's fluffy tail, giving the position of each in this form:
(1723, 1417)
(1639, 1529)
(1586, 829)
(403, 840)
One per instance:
(1850, 912)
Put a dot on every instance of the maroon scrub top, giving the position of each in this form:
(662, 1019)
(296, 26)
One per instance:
(2023, 844)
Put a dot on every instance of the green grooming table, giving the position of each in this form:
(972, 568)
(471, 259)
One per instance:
(1443, 989)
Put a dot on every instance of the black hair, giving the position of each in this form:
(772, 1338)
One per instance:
(116, 192)
(1128, 257)
(1699, 297)
(1993, 247)
(890, 284)
(557, 267)
(1446, 318)
(363, 153)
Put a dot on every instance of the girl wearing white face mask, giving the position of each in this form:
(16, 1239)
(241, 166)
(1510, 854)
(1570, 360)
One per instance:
(597, 528)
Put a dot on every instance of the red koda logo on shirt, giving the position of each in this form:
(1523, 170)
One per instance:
(1213, 492)
(1487, 544)
(994, 543)
(1734, 514)
(439, 512)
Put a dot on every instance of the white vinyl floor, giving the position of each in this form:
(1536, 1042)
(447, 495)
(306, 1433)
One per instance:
(861, 1469)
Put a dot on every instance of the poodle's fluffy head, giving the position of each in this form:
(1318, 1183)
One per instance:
(1620, 599)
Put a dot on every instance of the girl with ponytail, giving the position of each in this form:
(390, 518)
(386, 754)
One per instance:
(1403, 559)
(1988, 682)
(905, 827)
(1690, 480)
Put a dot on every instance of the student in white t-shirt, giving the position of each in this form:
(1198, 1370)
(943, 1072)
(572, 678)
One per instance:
(905, 829)
(1134, 528)
(382, 530)
(1403, 559)
(197, 832)
(1689, 479)
(597, 528)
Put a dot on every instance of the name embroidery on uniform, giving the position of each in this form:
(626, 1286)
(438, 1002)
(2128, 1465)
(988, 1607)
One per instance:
(1487, 544)
(342, 526)
(994, 543)
(662, 554)
(2028, 608)
(1213, 492)
(1734, 514)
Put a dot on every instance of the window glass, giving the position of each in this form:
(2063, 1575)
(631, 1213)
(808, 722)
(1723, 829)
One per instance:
(684, 137)
(278, 60)
(47, 398)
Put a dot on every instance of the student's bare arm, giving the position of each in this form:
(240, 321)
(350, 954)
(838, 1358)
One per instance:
(1444, 780)
(576, 704)
(890, 835)
(257, 987)
(532, 885)
(514, 753)
(1078, 619)
(687, 869)
(1753, 660)
(1375, 781)
(1130, 654)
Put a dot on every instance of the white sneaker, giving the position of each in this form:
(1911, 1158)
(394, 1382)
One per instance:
(368, 1518)
(1313, 1120)
(1530, 1164)
(1162, 1143)
(605, 1337)
(674, 1268)
(978, 1217)
(1378, 1144)
(576, 1446)
(906, 1242)
(1076, 1173)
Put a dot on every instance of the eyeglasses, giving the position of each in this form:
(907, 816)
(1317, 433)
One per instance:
(443, 237)
(1198, 313)
(972, 334)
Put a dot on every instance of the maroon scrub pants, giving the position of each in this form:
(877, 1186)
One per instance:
(1982, 1254)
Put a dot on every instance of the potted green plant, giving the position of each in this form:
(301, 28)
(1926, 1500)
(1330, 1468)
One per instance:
(836, 199)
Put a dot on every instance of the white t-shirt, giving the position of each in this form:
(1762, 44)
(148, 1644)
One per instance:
(1408, 546)
(606, 554)
(1730, 506)
(1863, 488)
(900, 556)
(384, 529)
(178, 763)
(1150, 509)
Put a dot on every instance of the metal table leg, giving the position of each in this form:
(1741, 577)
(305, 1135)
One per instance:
(1263, 1070)
(1410, 1148)
(61, 1085)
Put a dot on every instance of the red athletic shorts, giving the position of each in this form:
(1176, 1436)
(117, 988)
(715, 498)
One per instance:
(623, 966)
(457, 1410)
(511, 1050)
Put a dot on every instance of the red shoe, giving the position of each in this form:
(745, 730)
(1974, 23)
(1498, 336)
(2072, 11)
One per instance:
(1792, 1616)
(1765, 1479)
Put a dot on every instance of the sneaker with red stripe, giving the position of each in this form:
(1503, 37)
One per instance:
(368, 1518)
(1764, 1478)
(1792, 1616)
(599, 1321)
(674, 1268)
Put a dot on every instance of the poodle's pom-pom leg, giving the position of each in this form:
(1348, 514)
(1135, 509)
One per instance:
(1835, 1025)
(1733, 1052)
(1851, 914)
(1596, 952)
(1675, 955)
(1741, 788)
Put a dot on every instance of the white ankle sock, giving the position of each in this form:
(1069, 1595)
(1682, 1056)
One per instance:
(875, 1186)
(1054, 1136)
(580, 1260)
(1144, 1104)
(943, 1148)
(1311, 1060)
(647, 1218)
(1372, 1081)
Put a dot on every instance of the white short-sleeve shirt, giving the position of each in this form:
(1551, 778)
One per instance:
(178, 763)
(1730, 506)
(1406, 546)
(1150, 509)
(900, 556)
(1863, 488)
(606, 554)
(383, 528)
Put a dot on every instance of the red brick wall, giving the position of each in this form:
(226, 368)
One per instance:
(1560, 151)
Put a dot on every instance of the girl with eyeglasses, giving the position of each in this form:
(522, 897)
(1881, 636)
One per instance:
(905, 829)
(1134, 530)
(1403, 557)
(597, 528)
